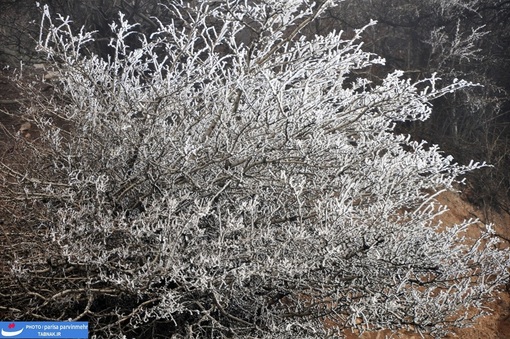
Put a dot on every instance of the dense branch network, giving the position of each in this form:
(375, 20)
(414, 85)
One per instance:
(228, 177)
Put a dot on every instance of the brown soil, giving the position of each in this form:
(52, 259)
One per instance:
(495, 326)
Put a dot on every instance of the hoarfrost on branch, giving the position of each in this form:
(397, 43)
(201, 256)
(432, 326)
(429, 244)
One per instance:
(237, 178)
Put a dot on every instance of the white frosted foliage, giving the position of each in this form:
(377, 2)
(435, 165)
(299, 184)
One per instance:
(256, 186)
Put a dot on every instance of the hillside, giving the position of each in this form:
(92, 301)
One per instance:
(495, 326)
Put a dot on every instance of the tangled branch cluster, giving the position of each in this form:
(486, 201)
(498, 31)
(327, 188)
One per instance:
(227, 177)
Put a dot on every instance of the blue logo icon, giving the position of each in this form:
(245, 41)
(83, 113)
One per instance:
(12, 331)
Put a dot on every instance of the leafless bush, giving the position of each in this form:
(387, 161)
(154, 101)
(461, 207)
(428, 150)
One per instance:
(206, 187)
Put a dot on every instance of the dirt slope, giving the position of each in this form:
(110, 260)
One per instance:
(495, 326)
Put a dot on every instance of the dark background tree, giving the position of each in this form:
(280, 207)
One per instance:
(457, 39)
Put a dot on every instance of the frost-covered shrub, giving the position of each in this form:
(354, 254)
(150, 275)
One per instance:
(228, 177)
